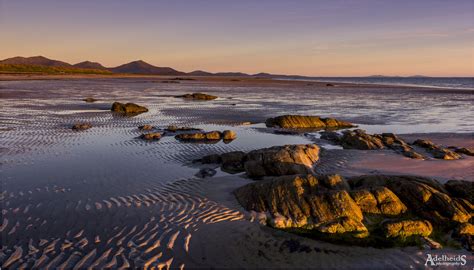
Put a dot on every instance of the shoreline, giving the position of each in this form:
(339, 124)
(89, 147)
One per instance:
(233, 79)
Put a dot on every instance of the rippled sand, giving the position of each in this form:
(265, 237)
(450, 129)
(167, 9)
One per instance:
(102, 198)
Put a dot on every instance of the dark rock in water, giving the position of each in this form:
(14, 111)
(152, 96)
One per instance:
(198, 96)
(146, 127)
(281, 160)
(128, 108)
(233, 162)
(373, 209)
(90, 99)
(169, 81)
(461, 189)
(154, 136)
(211, 159)
(462, 150)
(331, 136)
(205, 173)
(407, 228)
(329, 84)
(437, 151)
(81, 126)
(200, 136)
(303, 121)
(229, 135)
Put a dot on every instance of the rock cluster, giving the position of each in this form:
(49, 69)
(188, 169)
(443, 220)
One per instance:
(304, 121)
(128, 108)
(198, 96)
(436, 150)
(376, 208)
(226, 135)
(81, 126)
(359, 139)
(273, 161)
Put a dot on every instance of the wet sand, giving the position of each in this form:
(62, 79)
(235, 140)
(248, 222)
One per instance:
(103, 198)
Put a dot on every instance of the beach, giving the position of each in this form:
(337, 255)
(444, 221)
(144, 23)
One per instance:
(103, 198)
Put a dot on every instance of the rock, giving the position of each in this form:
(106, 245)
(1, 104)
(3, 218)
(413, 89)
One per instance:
(198, 96)
(200, 136)
(465, 233)
(303, 201)
(205, 173)
(462, 150)
(281, 160)
(90, 99)
(81, 126)
(329, 84)
(437, 151)
(232, 162)
(128, 108)
(229, 135)
(331, 136)
(461, 189)
(358, 139)
(406, 228)
(424, 196)
(379, 200)
(146, 127)
(431, 243)
(153, 136)
(211, 159)
(302, 121)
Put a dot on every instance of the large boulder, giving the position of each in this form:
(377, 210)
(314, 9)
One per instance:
(423, 196)
(303, 201)
(304, 121)
(281, 160)
(407, 228)
(232, 162)
(358, 139)
(128, 108)
(198, 96)
(378, 200)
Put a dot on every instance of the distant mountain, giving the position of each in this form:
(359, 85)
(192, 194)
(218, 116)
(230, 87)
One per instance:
(141, 67)
(90, 65)
(231, 74)
(35, 60)
(200, 73)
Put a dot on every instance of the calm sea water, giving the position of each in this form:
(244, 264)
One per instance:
(440, 82)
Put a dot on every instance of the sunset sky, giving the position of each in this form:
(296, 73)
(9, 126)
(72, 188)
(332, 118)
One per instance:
(320, 38)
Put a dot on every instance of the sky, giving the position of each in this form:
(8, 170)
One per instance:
(305, 37)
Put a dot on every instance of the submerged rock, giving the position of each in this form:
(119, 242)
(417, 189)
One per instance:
(198, 96)
(128, 108)
(81, 126)
(90, 99)
(303, 121)
(154, 136)
(174, 128)
(205, 173)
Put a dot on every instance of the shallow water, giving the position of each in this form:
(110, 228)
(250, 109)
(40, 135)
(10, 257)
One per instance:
(103, 197)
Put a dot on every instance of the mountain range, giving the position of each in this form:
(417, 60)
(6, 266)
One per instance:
(135, 67)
